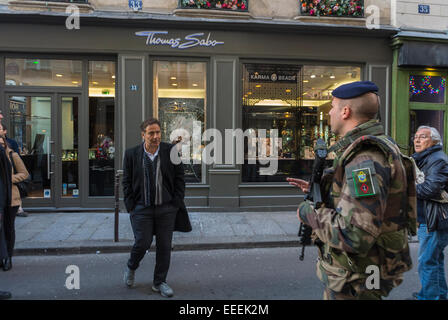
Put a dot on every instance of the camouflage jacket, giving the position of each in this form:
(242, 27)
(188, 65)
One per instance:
(363, 220)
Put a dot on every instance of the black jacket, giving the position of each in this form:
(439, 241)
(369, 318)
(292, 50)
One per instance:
(5, 180)
(173, 182)
(434, 164)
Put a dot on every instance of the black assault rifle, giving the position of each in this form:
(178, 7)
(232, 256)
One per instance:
(314, 195)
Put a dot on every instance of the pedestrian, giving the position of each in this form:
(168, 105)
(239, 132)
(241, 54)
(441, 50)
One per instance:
(368, 202)
(12, 143)
(15, 147)
(5, 201)
(18, 174)
(432, 205)
(153, 188)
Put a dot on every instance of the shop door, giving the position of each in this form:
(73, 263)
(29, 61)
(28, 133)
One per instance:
(66, 152)
(45, 127)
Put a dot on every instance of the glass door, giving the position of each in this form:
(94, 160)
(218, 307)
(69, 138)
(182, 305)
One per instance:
(46, 129)
(31, 124)
(67, 151)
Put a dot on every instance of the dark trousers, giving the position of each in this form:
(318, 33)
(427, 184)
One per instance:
(10, 229)
(147, 222)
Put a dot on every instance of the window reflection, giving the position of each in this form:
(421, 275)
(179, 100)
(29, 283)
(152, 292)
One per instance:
(101, 128)
(70, 183)
(295, 100)
(30, 126)
(43, 72)
(180, 101)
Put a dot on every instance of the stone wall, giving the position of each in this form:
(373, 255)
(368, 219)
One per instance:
(156, 6)
(258, 9)
(408, 15)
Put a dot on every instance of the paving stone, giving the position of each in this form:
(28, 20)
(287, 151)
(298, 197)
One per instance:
(241, 229)
(266, 226)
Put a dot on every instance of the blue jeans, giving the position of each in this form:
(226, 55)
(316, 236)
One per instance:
(431, 268)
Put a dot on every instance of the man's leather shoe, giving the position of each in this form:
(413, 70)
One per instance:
(129, 276)
(163, 289)
(5, 295)
(7, 264)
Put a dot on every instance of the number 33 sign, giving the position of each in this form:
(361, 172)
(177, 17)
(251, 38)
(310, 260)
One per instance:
(136, 4)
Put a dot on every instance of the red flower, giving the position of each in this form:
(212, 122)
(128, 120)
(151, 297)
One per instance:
(243, 6)
(209, 4)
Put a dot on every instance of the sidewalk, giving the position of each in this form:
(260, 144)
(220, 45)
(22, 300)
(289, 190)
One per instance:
(86, 232)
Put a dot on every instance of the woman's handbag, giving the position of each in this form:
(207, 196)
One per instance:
(22, 185)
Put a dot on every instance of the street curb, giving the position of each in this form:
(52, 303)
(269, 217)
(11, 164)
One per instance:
(127, 248)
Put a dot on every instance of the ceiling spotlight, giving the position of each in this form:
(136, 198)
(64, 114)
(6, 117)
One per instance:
(288, 90)
(113, 77)
(332, 76)
(174, 84)
(58, 75)
(258, 86)
(306, 81)
(173, 78)
(195, 84)
(313, 76)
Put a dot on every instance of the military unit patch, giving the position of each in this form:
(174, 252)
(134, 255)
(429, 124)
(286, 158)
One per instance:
(362, 180)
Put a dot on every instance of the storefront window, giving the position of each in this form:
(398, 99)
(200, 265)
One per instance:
(427, 89)
(180, 101)
(43, 72)
(101, 128)
(295, 100)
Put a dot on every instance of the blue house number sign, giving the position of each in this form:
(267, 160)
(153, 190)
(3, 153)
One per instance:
(423, 8)
(136, 4)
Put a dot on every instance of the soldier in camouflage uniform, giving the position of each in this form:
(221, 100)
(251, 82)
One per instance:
(369, 202)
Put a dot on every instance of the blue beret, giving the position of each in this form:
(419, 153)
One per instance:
(354, 89)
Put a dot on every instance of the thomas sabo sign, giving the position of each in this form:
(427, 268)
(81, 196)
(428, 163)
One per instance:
(161, 38)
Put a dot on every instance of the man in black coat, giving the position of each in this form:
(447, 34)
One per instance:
(432, 181)
(154, 189)
(5, 203)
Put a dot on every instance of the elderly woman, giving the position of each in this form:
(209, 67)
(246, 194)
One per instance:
(432, 232)
(19, 173)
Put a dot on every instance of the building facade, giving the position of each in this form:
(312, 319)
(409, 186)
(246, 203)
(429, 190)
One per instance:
(74, 98)
(420, 70)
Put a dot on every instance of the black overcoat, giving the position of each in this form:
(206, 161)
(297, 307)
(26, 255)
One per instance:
(173, 182)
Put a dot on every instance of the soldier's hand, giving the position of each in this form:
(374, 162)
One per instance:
(302, 184)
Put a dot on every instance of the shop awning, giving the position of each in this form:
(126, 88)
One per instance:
(423, 49)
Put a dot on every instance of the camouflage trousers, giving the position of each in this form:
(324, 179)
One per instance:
(355, 290)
